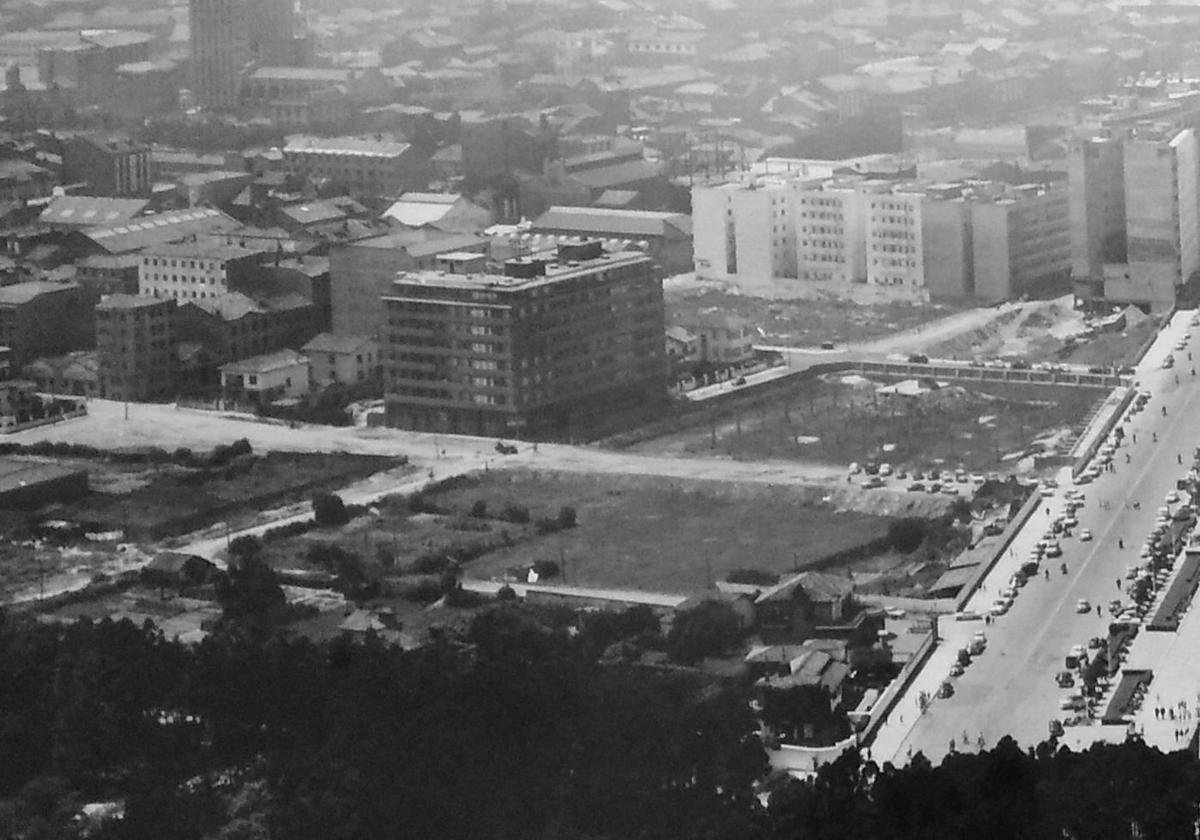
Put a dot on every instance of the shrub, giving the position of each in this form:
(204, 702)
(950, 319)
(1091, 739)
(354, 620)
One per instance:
(546, 525)
(183, 456)
(330, 556)
(431, 563)
(240, 446)
(506, 593)
(515, 513)
(906, 535)
(546, 569)
(329, 509)
(566, 517)
(464, 598)
(708, 629)
(384, 556)
(479, 509)
(245, 546)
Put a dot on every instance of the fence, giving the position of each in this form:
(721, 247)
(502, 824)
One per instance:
(80, 411)
(897, 687)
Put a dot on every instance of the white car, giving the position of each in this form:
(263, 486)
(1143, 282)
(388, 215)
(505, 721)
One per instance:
(1172, 497)
(1085, 535)
(894, 612)
(1083, 605)
(885, 469)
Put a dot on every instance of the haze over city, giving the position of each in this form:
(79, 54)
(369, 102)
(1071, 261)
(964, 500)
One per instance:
(591, 419)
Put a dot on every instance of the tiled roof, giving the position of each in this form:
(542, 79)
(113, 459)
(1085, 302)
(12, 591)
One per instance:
(267, 362)
(607, 221)
(171, 226)
(88, 211)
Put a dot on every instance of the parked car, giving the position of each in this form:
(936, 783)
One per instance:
(919, 359)
(946, 689)
(1065, 679)
(505, 448)
(1083, 605)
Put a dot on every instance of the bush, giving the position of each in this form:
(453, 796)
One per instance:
(431, 563)
(384, 556)
(464, 598)
(506, 593)
(566, 517)
(245, 546)
(906, 535)
(329, 509)
(753, 577)
(546, 525)
(240, 447)
(183, 456)
(331, 557)
(515, 513)
(708, 629)
(546, 569)
(479, 509)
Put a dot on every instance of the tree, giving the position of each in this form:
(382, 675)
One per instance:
(245, 546)
(566, 517)
(251, 597)
(329, 510)
(708, 629)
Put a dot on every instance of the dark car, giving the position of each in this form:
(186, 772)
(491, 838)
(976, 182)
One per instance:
(946, 689)
(919, 359)
(1020, 364)
(505, 448)
(827, 345)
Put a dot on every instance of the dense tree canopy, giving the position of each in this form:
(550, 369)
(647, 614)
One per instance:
(515, 731)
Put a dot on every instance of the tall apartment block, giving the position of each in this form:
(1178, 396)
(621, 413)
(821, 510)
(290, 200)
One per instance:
(839, 230)
(546, 348)
(228, 34)
(992, 241)
(134, 349)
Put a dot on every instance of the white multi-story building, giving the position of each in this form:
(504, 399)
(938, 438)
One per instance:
(895, 256)
(193, 270)
(832, 230)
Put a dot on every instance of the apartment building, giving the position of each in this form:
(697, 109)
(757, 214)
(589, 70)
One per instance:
(992, 241)
(135, 349)
(364, 166)
(197, 270)
(1096, 177)
(226, 35)
(41, 318)
(551, 345)
(110, 166)
(832, 230)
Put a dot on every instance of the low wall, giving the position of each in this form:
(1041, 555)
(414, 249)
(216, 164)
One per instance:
(896, 688)
(1110, 415)
(806, 760)
(1006, 538)
(921, 605)
(45, 421)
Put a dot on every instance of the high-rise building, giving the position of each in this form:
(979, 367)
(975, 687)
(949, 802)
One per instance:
(228, 34)
(135, 351)
(552, 346)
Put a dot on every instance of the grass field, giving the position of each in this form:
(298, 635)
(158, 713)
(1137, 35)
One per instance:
(662, 534)
(834, 420)
(167, 499)
(635, 532)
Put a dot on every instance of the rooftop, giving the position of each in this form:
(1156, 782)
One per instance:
(610, 221)
(88, 210)
(554, 272)
(203, 249)
(119, 301)
(343, 344)
(267, 362)
(20, 293)
(170, 226)
(361, 146)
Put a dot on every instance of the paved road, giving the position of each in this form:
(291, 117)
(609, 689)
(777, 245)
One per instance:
(1010, 689)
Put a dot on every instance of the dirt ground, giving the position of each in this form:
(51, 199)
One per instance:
(153, 501)
(842, 419)
(808, 321)
(637, 532)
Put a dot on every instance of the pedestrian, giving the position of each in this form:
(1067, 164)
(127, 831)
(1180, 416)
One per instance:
(1047, 511)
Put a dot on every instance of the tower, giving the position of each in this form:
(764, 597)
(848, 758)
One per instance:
(228, 34)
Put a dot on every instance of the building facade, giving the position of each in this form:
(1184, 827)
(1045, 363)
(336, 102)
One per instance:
(40, 318)
(110, 166)
(135, 350)
(536, 350)
(228, 34)
(194, 270)
(363, 166)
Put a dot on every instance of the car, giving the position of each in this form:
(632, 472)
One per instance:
(1171, 498)
(741, 380)
(901, 473)
(1071, 702)
(977, 479)
(1019, 364)
(1065, 679)
(1056, 728)
(894, 612)
(1168, 363)
(1082, 478)
(946, 689)
(827, 345)
(917, 486)
(885, 469)
(1085, 535)
(855, 468)
(950, 490)
(1095, 643)
(505, 448)
(934, 487)
(1054, 550)
(1083, 605)
(999, 607)
(956, 670)
(1046, 492)
(993, 476)
(1079, 652)
(918, 475)
(871, 468)
(967, 615)
(872, 482)
(1114, 606)
(919, 359)
(961, 477)
(1069, 521)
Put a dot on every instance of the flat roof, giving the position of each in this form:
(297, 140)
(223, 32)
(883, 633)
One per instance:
(358, 146)
(555, 271)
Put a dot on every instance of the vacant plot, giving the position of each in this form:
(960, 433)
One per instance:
(167, 499)
(807, 322)
(839, 419)
(635, 532)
